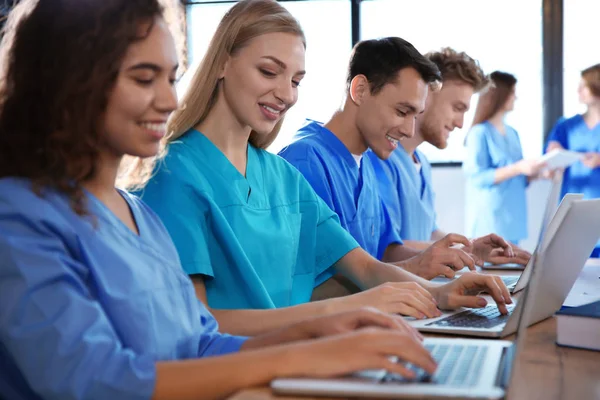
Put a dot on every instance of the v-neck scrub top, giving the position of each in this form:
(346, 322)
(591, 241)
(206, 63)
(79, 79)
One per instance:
(348, 188)
(261, 241)
(86, 305)
(499, 208)
(407, 193)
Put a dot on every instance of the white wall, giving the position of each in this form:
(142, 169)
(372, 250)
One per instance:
(449, 186)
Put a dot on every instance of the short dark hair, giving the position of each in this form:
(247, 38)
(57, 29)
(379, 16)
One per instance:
(380, 60)
(60, 61)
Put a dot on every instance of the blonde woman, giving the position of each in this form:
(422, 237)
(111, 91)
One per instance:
(249, 229)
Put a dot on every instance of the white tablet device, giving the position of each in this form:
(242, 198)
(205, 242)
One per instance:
(560, 158)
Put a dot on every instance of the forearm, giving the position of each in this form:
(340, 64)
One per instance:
(217, 377)
(367, 272)
(257, 322)
(437, 235)
(505, 173)
(397, 252)
(417, 244)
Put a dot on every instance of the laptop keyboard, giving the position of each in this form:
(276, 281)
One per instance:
(486, 317)
(510, 281)
(458, 365)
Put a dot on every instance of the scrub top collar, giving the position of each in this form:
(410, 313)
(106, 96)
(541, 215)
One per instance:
(248, 187)
(338, 147)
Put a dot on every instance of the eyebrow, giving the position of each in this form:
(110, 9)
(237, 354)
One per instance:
(150, 66)
(410, 107)
(281, 64)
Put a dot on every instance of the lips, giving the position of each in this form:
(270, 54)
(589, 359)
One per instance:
(156, 129)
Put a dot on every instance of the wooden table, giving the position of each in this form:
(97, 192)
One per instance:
(543, 369)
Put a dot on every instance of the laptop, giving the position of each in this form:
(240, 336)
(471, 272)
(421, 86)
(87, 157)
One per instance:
(517, 283)
(559, 261)
(551, 202)
(467, 368)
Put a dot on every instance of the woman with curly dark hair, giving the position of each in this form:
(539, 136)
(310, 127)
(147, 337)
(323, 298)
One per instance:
(93, 300)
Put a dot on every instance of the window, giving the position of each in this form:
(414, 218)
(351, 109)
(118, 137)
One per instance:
(580, 51)
(326, 24)
(503, 35)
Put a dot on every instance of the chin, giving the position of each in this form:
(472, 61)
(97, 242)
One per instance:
(263, 128)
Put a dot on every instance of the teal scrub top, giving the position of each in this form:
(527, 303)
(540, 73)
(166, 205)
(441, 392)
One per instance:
(499, 208)
(407, 193)
(260, 241)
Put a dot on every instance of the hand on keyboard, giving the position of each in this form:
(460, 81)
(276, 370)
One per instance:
(462, 292)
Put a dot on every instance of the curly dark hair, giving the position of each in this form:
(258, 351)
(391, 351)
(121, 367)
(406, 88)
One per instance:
(60, 61)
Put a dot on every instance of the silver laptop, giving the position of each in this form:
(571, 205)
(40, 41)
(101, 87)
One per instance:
(516, 283)
(559, 260)
(467, 368)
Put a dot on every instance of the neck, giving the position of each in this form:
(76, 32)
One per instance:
(226, 132)
(102, 184)
(592, 115)
(498, 121)
(343, 126)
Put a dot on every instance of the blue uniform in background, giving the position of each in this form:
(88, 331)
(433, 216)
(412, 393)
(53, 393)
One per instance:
(87, 306)
(499, 208)
(261, 241)
(351, 191)
(407, 193)
(574, 134)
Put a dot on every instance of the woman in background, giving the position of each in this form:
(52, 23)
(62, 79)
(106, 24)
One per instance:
(496, 173)
(93, 301)
(582, 133)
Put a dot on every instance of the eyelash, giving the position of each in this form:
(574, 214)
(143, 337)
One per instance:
(401, 113)
(147, 82)
(270, 74)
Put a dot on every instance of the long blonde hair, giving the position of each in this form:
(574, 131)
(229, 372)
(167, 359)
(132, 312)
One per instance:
(245, 21)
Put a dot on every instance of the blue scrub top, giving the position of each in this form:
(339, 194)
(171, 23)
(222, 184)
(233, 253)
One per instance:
(407, 193)
(87, 306)
(494, 208)
(350, 191)
(574, 134)
(261, 241)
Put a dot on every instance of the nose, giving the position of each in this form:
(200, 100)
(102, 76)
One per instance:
(286, 93)
(407, 128)
(459, 121)
(166, 98)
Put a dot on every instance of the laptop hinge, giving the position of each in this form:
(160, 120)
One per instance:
(506, 365)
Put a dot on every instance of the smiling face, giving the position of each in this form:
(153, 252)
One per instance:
(260, 82)
(143, 96)
(445, 111)
(389, 115)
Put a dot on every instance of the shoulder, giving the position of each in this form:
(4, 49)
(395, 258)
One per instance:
(307, 142)
(478, 134)
(480, 130)
(570, 123)
(47, 212)
(276, 166)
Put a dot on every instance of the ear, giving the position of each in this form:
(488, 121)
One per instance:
(224, 67)
(359, 89)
